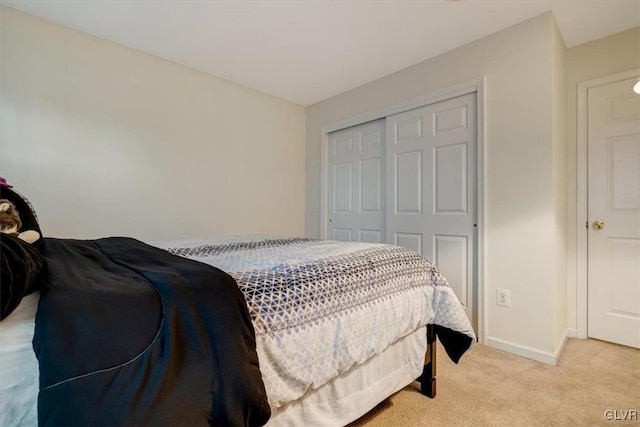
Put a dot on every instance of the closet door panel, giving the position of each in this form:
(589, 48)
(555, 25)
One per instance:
(357, 183)
(431, 160)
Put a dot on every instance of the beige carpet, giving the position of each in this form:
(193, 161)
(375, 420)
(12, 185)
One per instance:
(494, 388)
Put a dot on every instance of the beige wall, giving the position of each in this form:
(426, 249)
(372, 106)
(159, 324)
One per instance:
(610, 55)
(106, 141)
(521, 213)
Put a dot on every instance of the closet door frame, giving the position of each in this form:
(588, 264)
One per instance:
(476, 85)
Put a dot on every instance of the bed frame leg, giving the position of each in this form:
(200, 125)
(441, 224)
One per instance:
(428, 377)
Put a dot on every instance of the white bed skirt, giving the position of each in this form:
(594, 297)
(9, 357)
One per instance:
(354, 393)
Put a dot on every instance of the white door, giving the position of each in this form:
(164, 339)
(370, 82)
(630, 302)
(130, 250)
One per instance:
(614, 199)
(356, 183)
(431, 159)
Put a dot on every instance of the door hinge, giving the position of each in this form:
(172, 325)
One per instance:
(586, 225)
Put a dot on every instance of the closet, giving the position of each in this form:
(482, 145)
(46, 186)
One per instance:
(409, 179)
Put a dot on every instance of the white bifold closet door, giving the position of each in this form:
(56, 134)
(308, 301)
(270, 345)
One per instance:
(410, 180)
(356, 183)
(431, 162)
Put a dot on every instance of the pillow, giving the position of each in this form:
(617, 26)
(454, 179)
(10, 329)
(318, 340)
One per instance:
(22, 272)
(25, 210)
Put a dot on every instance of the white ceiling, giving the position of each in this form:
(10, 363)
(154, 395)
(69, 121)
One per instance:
(307, 51)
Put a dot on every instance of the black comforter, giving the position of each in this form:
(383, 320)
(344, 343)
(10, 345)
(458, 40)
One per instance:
(128, 334)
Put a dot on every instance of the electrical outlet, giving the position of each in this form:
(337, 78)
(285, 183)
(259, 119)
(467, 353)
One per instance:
(503, 297)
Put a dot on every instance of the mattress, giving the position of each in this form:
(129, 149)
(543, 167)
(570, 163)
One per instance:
(322, 307)
(339, 326)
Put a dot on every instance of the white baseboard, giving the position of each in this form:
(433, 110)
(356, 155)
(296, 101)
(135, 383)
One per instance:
(572, 333)
(529, 352)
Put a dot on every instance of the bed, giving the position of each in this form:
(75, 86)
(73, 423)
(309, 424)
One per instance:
(230, 331)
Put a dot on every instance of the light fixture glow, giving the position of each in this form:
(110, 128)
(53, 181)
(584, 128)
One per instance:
(636, 87)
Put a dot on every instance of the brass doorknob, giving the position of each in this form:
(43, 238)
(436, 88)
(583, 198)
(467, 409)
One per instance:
(598, 225)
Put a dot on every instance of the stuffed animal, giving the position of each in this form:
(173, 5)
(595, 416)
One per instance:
(10, 223)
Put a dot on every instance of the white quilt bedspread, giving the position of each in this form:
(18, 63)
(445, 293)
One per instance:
(321, 307)
(19, 376)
